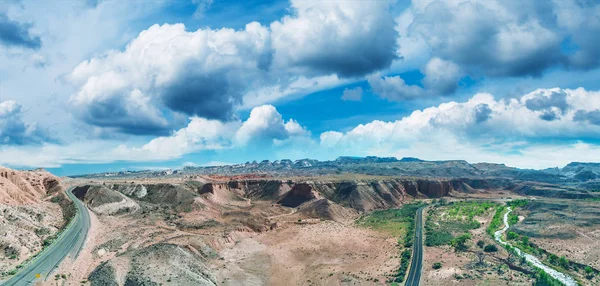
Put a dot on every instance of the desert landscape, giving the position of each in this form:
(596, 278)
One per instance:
(267, 227)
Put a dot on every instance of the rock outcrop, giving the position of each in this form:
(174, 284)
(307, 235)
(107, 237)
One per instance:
(299, 194)
(105, 201)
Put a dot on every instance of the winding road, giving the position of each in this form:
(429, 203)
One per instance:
(416, 265)
(69, 242)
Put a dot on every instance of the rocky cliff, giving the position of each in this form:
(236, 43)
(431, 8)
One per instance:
(25, 187)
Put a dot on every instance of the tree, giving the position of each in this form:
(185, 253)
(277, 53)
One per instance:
(589, 269)
(525, 240)
(437, 265)
(490, 248)
(480, 258)
(480, 243)
(460, 241)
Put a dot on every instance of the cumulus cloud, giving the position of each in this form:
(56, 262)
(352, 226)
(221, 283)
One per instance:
(16, 34)
(348, 38)
(481, 121)
(487, 37)
(13, 131)
(506, 38)
(394, 88)
(546, 101)
(352, 94)
(441, 76)
(169, 72)
(592, 117)
(265, 127)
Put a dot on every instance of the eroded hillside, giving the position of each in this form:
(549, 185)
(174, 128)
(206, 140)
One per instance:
(32, 211)
(243, 231)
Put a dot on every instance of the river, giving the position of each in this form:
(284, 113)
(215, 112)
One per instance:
(564, 278)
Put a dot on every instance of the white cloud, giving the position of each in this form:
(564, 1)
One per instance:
(14, 131)
(441, 76)
(264, 125)
(210, 73)
(480, 129)
(343, 37)
(201, 73)
(394, 88)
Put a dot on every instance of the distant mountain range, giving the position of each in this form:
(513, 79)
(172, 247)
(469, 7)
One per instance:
(576, 174)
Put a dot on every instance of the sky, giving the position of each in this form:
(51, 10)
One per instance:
(98, 85)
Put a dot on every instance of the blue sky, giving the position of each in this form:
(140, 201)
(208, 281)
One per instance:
(110, 85)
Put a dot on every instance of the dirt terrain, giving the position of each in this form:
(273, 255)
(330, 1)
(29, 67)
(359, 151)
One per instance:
(262, 231)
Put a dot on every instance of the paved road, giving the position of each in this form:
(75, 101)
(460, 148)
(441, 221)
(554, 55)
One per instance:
(69, 242)
(416, 265)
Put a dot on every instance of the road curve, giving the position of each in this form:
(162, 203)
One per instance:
(416, 265)
(69, 242)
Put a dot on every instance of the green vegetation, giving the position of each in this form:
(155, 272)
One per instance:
(480, 243)
(517, 203)
(459, 242)
(468, 210)
(490, 248)
(512, 235)
(397, 222)
(513, 218)
(496, 223)
(450, 224)
(437, 265)
(543, 279)
(404, 261)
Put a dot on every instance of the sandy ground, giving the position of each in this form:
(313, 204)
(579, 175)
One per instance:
(330, 253)
(77, 269)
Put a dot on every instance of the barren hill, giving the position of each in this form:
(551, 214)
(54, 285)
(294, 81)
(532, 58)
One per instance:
(32, 210)
(25, 187)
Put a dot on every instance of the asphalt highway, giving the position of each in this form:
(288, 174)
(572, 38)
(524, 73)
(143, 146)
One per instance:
(416, 265)
(69, 242)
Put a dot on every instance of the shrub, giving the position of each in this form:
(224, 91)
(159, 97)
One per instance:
(512, 235)
(460, 241)
(589, 269)
(437, 265)
(481, 243)
(490, 248)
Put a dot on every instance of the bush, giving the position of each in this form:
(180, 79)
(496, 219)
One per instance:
(437, 265)
(517, 203)
(460, 241)
(490, 248)
(480, 243)
(512, 235)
